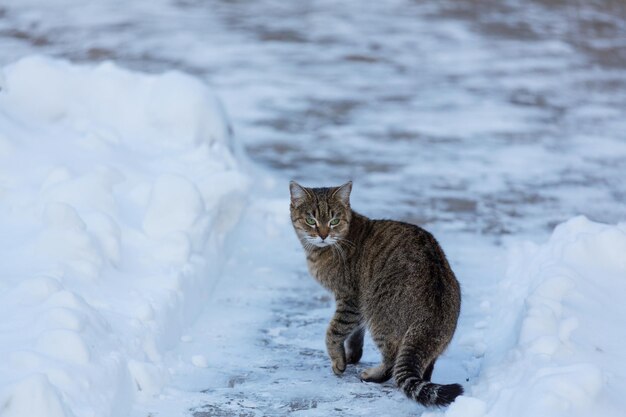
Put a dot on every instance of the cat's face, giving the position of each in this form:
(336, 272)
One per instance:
(321, 216)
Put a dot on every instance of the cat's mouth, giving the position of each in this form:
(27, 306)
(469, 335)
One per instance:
(317, 241)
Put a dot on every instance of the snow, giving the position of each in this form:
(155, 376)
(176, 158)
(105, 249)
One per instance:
(175, 205)
(169, 111)
(555, 346)
(547, 340)
(35, 396)
(148, 270)
(117, 191)
(199, 361)
(116, 235)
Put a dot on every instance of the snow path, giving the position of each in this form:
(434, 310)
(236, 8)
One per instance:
(260, 343)
(487, 122)
(541, 338)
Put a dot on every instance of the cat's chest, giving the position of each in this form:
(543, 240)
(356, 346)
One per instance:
(327, 271)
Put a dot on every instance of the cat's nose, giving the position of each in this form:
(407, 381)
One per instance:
(323, 234)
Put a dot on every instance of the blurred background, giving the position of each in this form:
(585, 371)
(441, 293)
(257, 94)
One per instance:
(489, 117)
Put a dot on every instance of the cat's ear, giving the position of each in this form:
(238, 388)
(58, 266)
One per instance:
(343, 193)
(299, 194)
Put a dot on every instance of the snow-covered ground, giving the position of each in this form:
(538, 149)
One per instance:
(556, 328)
(149, 270)
(117, 190)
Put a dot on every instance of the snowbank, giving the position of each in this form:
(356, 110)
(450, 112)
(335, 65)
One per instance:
(557, 334)
(116, 192)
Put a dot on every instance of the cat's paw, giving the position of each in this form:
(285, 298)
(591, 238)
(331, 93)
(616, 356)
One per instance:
(339, 366)
(353, 355)
(378, 374)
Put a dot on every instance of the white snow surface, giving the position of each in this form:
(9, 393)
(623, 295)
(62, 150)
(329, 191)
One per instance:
(117, 190)
(557, 329)
(141, 276)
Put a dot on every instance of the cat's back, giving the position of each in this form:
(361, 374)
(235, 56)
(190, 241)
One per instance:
(401, 261)
(392, 244)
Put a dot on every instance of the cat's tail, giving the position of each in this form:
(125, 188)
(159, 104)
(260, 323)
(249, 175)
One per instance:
(410, 369)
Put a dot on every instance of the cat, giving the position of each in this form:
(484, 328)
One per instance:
(388, 276)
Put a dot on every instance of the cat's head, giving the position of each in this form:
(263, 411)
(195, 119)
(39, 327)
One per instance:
(321, 216)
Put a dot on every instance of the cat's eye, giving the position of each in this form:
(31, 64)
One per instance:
(310, 221)
(334, 222)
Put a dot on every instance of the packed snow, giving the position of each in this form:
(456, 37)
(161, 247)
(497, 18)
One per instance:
(149, 270)
(117, 192)
(557, 329)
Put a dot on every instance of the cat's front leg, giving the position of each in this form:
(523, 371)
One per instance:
(346, 320)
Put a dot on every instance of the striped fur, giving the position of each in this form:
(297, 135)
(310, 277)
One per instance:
(388, 276)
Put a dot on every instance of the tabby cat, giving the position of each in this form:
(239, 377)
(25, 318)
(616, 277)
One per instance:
(388, 276)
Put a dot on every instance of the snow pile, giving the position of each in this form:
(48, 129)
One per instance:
(557, 335)
(117, 190)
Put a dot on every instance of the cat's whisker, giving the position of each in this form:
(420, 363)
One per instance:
(308, 246)
(346, 241)
(341, 253)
